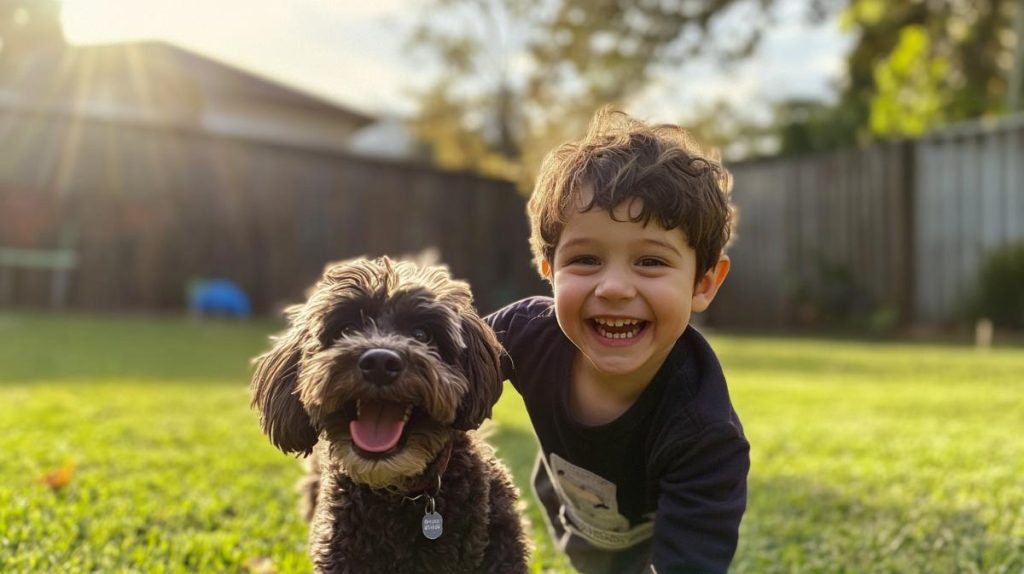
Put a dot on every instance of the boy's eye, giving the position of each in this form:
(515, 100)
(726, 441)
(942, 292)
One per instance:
(650, 262)
(584, 260)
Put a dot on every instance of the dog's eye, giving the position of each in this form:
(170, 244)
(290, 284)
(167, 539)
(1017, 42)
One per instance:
(421, 334)
(349, 330)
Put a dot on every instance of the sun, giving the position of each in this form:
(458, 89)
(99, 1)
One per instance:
(94, 21)
(203, 24)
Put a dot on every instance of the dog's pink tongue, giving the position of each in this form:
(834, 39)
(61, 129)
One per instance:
(379, 425)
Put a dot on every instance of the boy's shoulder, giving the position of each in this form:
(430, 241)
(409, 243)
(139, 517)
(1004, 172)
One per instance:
(530, 306)
(519, 314)
(695, 413)
(533, 345)
(697, 392)
(526, 323)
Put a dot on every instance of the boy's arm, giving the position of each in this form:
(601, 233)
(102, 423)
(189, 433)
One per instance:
(501, 321)
(703, 494)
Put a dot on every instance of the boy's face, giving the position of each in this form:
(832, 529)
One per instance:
(624, 291)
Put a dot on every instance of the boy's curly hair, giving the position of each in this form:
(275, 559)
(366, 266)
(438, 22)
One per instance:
(622, 159)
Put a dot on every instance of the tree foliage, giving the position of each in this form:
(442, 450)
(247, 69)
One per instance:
(521, 75)
(931, 62)
(915, 65)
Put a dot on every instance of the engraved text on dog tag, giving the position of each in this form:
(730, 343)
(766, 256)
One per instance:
(433, 525)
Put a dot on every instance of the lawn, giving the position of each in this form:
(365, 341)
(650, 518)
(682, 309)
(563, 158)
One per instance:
(128, 445)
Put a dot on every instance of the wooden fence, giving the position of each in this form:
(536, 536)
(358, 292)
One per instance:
(894, 232)
(890, 233)
(146, 208)
(970, 192)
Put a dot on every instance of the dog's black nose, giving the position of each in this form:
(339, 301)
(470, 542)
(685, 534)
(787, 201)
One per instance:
(381, 366)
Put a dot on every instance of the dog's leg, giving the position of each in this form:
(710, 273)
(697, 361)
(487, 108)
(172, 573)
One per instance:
(309, 486)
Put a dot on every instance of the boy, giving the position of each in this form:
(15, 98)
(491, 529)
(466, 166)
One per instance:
(643, 461)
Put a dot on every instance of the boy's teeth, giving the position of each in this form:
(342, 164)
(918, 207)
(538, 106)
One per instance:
(616, 322)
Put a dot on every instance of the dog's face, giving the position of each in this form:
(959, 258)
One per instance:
(383, 361)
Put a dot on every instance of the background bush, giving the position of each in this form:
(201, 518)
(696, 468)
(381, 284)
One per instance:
(1000, 294)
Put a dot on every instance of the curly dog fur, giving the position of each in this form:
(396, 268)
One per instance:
(380, 376)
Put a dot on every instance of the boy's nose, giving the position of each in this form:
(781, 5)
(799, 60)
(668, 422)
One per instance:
(614, 285)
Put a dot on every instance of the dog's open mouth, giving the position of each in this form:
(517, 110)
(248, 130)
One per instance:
(378, 425)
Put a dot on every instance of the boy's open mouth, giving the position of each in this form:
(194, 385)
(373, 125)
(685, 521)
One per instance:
(618, 328)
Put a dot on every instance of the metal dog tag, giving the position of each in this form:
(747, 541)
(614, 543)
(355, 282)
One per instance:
(433, 525)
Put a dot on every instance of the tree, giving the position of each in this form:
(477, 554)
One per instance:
(916, 65)
(932, 62)
(802, 126)
(521, 75)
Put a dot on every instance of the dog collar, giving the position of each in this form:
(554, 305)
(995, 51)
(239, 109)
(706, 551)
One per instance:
(428, 482)
(432, 523)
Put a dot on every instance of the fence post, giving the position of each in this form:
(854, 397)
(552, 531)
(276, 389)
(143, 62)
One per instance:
(908, 230)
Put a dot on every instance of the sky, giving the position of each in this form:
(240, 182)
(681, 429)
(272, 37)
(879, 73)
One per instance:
(352, 51)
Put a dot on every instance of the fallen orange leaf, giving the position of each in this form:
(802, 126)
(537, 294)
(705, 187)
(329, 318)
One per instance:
(59, 478)
(259, 566)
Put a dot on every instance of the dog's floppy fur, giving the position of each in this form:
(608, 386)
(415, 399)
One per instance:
(380, 375)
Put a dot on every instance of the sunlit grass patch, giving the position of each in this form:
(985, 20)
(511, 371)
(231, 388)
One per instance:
(866, 457)
(880, 458)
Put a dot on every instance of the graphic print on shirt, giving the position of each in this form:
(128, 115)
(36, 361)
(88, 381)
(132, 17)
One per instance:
(591, 504)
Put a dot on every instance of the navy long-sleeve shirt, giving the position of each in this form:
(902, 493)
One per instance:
(671, 469)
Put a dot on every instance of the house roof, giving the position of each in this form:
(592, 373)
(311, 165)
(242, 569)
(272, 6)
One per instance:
(155, 74)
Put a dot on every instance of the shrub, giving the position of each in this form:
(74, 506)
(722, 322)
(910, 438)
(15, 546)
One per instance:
(834, 298)
(1000, 294)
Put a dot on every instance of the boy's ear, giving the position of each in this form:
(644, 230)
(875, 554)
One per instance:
(706, 289)
(545, 269)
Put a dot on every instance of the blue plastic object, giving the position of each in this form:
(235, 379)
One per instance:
(218, 297)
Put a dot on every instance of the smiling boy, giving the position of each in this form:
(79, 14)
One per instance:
(643, 460)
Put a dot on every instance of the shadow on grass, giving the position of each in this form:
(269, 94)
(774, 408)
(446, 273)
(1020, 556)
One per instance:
(518, 448)
(91, 349)
(796, 525)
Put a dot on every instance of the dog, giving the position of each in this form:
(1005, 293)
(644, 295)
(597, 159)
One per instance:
(380, 377)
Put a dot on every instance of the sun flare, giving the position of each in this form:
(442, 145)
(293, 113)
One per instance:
(94, 21)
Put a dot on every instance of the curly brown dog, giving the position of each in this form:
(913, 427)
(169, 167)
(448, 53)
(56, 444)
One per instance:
(380, 375)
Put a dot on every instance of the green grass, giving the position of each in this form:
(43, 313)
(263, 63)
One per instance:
(866, 457)
(880, 457)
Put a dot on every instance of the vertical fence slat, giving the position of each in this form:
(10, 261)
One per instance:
(1013, 154)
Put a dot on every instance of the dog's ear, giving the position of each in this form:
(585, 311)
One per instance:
(273, 392)
(481, 361)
